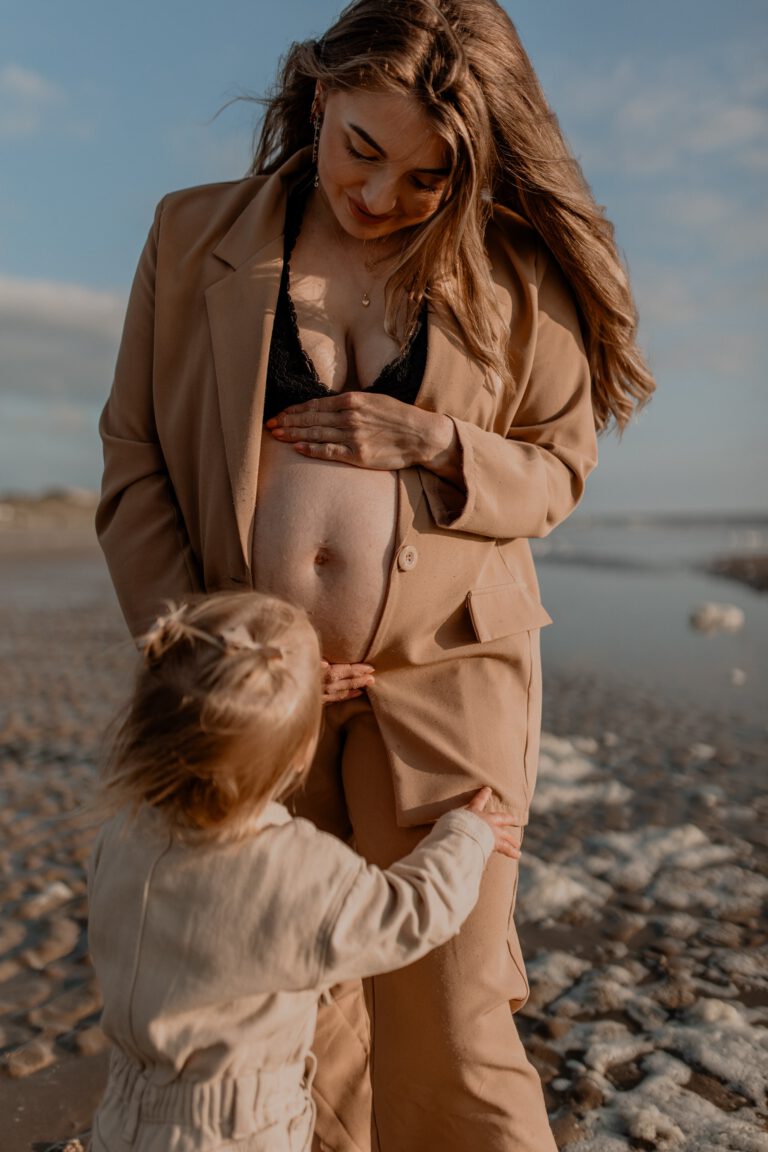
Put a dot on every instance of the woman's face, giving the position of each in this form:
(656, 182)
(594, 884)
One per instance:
(381, 164)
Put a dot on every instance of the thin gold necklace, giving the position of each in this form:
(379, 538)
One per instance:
(340, 236)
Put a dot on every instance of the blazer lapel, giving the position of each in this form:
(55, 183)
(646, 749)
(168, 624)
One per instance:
(241, 312)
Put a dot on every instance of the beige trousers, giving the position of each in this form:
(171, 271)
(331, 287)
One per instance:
(447, 1068)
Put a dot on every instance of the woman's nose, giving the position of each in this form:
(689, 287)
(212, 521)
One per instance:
(379, 194)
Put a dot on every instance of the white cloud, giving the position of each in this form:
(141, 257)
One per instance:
(645, 122)
(63, 305)
(57, 339)
(26, 101)
(722, 222)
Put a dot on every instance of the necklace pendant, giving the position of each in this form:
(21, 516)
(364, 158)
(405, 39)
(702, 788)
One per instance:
(366, 300)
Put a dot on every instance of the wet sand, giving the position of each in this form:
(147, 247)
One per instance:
(641, 907)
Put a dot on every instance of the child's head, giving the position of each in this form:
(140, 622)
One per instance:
(225, 713)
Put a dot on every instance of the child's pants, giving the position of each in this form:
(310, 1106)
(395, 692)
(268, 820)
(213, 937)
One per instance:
(449, 1072)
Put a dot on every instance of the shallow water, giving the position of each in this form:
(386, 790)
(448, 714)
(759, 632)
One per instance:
(621, 594)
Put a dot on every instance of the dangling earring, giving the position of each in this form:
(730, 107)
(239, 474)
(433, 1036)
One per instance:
(317, 121)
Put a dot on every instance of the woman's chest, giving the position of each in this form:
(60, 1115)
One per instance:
(339, 304)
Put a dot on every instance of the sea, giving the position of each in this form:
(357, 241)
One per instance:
(622, 591)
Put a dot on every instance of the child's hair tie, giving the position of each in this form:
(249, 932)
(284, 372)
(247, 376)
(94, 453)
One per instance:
(173, 627)
(239, 639)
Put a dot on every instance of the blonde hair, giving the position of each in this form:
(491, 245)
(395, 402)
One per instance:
(225, 712)
(463, 61)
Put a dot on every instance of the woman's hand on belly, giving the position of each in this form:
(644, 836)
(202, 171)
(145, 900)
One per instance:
(370, 430)
(345, 681)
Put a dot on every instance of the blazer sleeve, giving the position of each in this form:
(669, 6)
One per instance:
(385, 919)
(138, 521)
(525, 481)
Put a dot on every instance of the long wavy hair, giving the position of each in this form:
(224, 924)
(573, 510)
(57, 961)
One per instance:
(464, 62)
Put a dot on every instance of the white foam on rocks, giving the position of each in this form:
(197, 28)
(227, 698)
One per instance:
(549, 890)
(631, 859)
(663, 1112)
(552, 973)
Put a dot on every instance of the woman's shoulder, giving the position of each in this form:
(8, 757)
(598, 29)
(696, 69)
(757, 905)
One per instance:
(519, 253)
(208, 210)
(511, 240)
(212, 206)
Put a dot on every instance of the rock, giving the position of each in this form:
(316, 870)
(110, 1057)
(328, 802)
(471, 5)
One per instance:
(11, 935)
(566, 1128)
(8, 969)
(702, 752)
(674, 995)
(62, 938)
(13, 1035)
(31, 1057)
(91, 1041)
(586, 1094)
(711, 617)
(52, 897)
(66, 1010)
(23, 992)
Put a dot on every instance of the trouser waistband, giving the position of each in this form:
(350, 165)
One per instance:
(233, 1107)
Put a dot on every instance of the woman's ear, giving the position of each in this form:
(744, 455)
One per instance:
(318, 101)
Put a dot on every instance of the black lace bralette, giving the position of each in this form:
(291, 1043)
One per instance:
(292, 377)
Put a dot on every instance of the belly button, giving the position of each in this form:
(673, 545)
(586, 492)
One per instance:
(322, 556)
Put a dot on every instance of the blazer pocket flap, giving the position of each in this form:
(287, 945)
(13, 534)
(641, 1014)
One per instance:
(504, 610)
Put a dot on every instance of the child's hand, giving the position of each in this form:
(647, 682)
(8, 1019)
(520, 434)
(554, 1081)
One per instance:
(501, 824)
(344, 681)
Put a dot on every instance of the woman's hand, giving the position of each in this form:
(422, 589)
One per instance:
(505, 830)
(370, 430)
(345, 681)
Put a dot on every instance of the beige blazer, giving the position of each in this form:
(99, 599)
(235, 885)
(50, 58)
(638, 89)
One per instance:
(458, 695)
(211, 956)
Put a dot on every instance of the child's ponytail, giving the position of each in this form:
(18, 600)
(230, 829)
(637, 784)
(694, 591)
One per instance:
(226, 709)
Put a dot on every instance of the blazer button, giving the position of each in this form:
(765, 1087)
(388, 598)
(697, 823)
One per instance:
(407, 558)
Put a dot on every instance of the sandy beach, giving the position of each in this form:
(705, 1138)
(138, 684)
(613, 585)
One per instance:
(642, 898)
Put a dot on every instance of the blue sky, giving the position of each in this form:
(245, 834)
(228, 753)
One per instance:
(105, 107)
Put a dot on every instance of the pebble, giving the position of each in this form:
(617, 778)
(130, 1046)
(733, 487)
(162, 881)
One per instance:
(11, 935)
(23, 992)
(712, 617)
(31, 1057)
(566, 1128)
(52, 897)
(62, 937)
(90, 1041)
(586, 1094)
(66, 1009)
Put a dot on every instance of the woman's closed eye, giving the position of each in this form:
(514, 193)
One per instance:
(353, 152)
(416, 182)
(430, 189)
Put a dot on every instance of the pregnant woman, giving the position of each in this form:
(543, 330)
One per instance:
(361, 378)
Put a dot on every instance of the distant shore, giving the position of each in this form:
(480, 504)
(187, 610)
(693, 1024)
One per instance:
(64, 517)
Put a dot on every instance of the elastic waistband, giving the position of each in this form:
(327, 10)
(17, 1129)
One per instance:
(232, 1107)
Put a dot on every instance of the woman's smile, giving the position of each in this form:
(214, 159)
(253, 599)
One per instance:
(382, 165)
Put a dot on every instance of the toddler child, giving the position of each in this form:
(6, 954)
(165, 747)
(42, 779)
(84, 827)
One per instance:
(216, 919)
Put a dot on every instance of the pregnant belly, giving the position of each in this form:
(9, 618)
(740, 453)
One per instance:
(324, 535)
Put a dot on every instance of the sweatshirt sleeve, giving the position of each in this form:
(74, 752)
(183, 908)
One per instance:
(385, 919)
(523, 480)
(138, 520)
